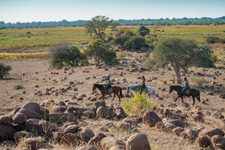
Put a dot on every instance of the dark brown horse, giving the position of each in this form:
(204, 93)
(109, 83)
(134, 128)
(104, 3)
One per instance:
(115, 90)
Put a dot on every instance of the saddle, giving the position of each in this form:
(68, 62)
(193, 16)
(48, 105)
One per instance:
(109, 90)
(187, 91)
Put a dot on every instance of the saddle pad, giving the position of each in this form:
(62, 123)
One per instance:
(110, 90)
(187, 91)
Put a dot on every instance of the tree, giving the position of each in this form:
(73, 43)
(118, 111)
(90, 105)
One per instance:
(135, 43)
(180, 54)
(4, 70)
(62, 53)
(100, 52)
(97, 25)
(114, 24)
(142, 31)
(120, 40)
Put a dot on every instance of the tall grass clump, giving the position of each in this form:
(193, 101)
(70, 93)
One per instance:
(138, 104)
(198, 81)
(121, 54)
(18, 86)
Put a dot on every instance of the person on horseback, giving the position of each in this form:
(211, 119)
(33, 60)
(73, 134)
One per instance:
(186, 85)
(143, 84)
(108, 86)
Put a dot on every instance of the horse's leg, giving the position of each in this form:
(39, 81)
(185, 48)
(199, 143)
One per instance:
(182, 98)
(118, 97)
(114, 95)
(193, 100)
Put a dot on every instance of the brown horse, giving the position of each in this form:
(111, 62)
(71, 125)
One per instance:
(115, 91)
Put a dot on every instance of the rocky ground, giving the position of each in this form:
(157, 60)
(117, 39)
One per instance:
(36, 115)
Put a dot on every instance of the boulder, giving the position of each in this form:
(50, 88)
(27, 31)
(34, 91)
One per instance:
(167, 113)
(150, 118)
(191, 135)
(95, 140)
(32, 106)
(86, 134)
(70, 139)
(87, 147)
(33, 143)
(62, 117)
(109, 142)
(6, 120)
(19, 118)
(97, 104)
(59, 109)
(57, 136)
(203, 141)
(71, 129)
(218, 142)
(105, 112)
(118, 147)
(6, 132)
(89, 114)
(133, 121)
(178, 130)
(138, 141)
(30, 114)
(123, 126)
(78, 109)
(176, 122)
(21, 134)
(44, 114)
(40, 127)
(211, 132)
(119, 113)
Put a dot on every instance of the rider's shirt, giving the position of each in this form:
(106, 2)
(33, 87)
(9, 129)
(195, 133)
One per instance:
(109, 82)
(143, 81)
(186, 83)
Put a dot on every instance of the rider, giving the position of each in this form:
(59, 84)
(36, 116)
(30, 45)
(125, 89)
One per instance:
(186, 85)
(108, 83)
(143, 83)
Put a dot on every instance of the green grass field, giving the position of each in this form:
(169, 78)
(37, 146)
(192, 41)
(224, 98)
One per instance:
(41, 39)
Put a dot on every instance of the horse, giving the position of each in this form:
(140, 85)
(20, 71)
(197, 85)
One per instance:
(115, 90)
(148, 90)
(194, 93)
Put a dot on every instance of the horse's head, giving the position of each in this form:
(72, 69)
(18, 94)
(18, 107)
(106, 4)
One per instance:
(94, 87)
(171, 89)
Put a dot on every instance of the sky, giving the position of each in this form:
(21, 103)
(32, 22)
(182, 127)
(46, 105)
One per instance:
(71, 10)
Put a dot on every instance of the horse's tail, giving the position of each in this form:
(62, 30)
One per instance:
(121, 94)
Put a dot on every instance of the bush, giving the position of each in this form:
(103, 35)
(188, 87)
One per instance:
(222, 40)
(18, 86)
(120, 40)
(121, 54)
(110, 57)
(213, 58)
(212, 39)
(142, 31)
(62, 55)
(198, 81)
(138, 105)
(149, 63)
(4, 70)
(135, 43)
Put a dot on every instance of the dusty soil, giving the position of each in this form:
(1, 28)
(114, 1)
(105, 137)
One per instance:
(38, 75)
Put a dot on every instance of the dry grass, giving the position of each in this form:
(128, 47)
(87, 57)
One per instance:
(18, 56)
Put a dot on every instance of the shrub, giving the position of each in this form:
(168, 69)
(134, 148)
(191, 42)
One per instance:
(138, 105)
(149, 63)
(63, 54)
(110, 57)
(121, 54)
(4, 70)
(120, 40)
(142, 31)
(212, 39)
(135, 43)
(214, 58)
(222, 40)
(18, 86)
(198, 81)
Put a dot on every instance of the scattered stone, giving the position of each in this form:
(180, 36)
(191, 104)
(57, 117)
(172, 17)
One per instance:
(198, 117)
(32, 106)
(178, 131)
(138, 141)
(203, 141)
(89, 114)
(6, 120)
(70, 139)
(62, 117)
(71, 129)
(59, 109)
(211, 132)
(105, 112)
(6, 132)
(33, 143)
(150, 118)
(123, 126)
(19, 118)
(109, 142)
(87, 147)
(30, 114)
(218, 142)
(86, 134)
(20, 135)
(96, 139)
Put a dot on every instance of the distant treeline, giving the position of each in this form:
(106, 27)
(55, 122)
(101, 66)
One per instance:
(159, 22)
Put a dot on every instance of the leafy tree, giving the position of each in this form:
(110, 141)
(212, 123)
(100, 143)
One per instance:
(4, 70)
(114, 24)
(120, 40)
(135, 43)
(181, 54)
(100, 52)
(142, 31)
(63, 54)
(97, 25)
